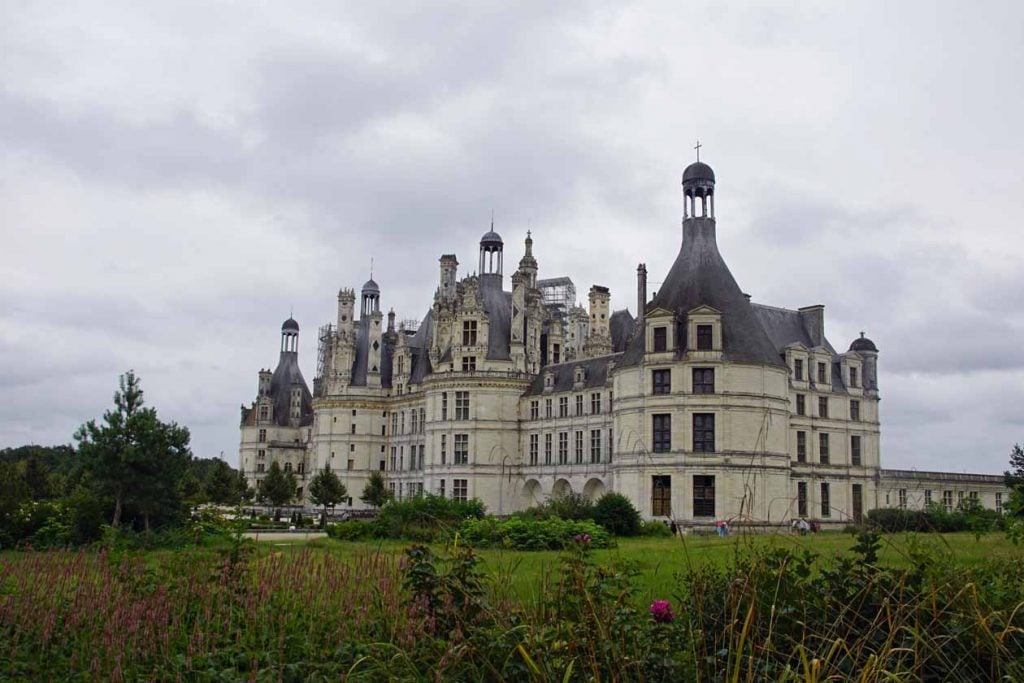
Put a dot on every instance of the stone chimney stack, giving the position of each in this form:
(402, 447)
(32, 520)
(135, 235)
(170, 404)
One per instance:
(641, 293)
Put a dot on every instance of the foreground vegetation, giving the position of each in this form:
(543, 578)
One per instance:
(713, 609)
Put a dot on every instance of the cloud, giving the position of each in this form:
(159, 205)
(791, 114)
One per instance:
(176, 179)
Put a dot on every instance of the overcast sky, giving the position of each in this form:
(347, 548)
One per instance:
(175, 180)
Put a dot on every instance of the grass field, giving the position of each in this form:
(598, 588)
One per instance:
(657, 560)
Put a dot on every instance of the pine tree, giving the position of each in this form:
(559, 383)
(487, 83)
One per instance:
(1015, 475)
(133, 457)
(327, 489)
(374, 493)
(278, 486)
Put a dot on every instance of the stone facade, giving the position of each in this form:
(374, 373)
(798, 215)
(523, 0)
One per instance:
(706, 406)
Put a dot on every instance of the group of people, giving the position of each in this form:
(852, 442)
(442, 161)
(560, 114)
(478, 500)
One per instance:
(802, 526)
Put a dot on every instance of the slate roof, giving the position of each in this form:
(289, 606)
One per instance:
(498, 305)
(784, 327)
(699, 277)
(360, 366)
(285, 375)
(420, 346)
(621, 324)
(565, 374)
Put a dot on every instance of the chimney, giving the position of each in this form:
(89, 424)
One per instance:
(641, 293)
(813, 319)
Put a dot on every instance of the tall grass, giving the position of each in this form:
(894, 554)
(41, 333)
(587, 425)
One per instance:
(769, 614)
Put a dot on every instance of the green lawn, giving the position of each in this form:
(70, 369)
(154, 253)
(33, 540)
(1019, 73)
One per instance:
(658, 560)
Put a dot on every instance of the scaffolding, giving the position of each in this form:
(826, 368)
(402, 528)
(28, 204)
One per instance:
(558, 294)
(323, 353)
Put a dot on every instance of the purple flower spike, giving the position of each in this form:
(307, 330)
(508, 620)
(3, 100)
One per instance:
(661, 610)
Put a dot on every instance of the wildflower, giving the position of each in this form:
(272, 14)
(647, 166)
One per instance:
(582, 538)
(661, 610)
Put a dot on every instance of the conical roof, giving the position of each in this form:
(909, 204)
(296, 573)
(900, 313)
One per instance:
(699, 277)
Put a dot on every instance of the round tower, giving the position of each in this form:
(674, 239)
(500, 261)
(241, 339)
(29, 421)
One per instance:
(491, 248)
(290, 336)
(371, 298)
(698, 191)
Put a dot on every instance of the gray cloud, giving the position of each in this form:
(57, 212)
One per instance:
(176, 180)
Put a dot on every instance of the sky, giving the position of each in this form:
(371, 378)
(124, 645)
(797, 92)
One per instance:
(177, 178)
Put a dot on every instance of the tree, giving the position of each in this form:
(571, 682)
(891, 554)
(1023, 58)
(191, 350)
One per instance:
(244, 491)
(326, 489)
(1015, 475)
(133, 457)
(221, 484)
(37, 476)
(374, 493)
(616, 513)
(278, 486)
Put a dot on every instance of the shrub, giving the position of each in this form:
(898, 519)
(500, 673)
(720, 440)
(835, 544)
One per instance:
(970, 516)
(423, 518)
(616, 514)
(516, 533)
(351, 530)
(570, 506)
(655, 529)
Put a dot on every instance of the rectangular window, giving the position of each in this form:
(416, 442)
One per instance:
(703, 380)
(611, 444)
(423, 420)
(579, 405)
(547, 449)
(423, 452)
(823, 455)
(260, 467)
(444, 405)
(826, 504)
(444, 449)
(563, 406)
(563, 448)
(469, 333)
(947, 500)
(801, 446)
(547, 407)
(534, 448)
(469, 363)
(798, 369)
(661, 381)
(394, 457)
(351, 464)
(261, 454)
(662, 429)
(822, 406)
(973, 495)
(415, 415)
(858, 503)
(461, 405)
(556, 353)
(595, 404)
(703, 496)
(579, 448)
(460, 489)
(703, 433)
(801, 499)
(661, 496)
(595, 445)
(263, 435)
(660, 339)
(704, 337)
(927, 497)
(999, 503)
(440, 488)
(902, 498)
(821, 373)
(460, 451)
(853, 377)
(855, 411)
(959, 500)
(801, 404)
(534, 410)
(264, 412)
(855, 451)
(402, 422)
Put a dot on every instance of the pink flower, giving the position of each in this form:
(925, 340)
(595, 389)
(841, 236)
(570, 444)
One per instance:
(661, 610)
(582, 538)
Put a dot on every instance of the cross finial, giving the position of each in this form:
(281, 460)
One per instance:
(862, 334)
(698, 149)
(371, 267)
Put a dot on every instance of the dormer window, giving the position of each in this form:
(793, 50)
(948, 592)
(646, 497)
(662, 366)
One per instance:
(705, 337)
(549, 381)
(579, 376)
(660, 339)
(853, 378)
(469, 333)
(821, 373)
(798, 369)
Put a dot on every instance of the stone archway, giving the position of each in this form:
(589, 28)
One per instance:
(561, 488)
(532, 494)
(594, 489)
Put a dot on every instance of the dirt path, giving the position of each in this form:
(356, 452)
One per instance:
(285, 536)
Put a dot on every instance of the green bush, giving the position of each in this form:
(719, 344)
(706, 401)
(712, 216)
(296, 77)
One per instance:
(423, 518)
(616, 513)
(517, 533)
(569, 506)
(655, 529)
(351, 530)
(969, 516)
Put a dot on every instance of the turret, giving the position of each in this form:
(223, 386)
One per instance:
(599, 339)
(869, 352)
(449, 275)
(372, 318)
(346, 311)
(528, 264)
(264, 385)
